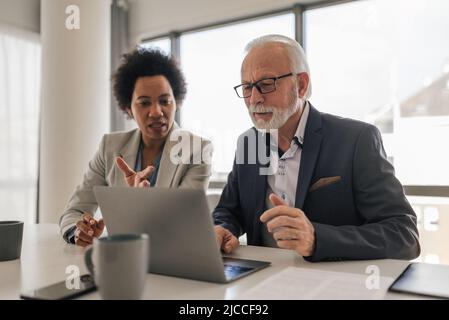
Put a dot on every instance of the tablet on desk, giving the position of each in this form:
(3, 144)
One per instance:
(424, 279)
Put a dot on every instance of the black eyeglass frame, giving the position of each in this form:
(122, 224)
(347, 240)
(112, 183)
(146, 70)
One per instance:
(256, 84)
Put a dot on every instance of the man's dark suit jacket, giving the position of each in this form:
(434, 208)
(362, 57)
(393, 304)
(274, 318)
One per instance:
(361, 215)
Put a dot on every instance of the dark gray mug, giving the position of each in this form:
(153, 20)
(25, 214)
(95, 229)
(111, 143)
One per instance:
(119, 264)
(10, 240)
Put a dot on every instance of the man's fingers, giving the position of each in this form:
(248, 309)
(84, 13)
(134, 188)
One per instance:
(230, 244)
(286, 234)
(281, 208)
(224, 239)
(280, 211)
(219, 235)
(283, 222)
(287, 244)
(123, 166)
(226, 247)
(276, 200)
(219, 230)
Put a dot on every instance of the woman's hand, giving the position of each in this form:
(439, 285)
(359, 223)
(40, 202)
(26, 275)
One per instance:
(132, 178)
(87, 229)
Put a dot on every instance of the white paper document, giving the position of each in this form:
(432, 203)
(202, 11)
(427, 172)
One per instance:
(295, 283)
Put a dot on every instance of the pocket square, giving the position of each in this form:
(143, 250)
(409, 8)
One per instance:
(324, 182)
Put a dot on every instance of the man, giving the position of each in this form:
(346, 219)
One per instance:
(333, 196)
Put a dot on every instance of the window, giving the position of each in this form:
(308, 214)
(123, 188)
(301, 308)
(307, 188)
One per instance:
(433, 227)
(20, 67)
(387, 62)
(211, 61)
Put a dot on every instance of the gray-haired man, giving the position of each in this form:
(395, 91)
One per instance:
(334, 195)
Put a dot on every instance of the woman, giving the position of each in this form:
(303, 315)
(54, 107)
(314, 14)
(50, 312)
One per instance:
(149, 87)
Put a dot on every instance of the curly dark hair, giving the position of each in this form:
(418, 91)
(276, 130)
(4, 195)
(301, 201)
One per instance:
(142, 62)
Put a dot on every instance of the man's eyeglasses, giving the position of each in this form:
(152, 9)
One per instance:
(266, 85)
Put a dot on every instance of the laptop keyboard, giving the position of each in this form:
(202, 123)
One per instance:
(232, 271)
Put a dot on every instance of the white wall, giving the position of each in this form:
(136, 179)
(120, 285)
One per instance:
(22, 14)
(149, 18)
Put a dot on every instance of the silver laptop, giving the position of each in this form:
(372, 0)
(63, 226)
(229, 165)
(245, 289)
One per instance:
(180, 227)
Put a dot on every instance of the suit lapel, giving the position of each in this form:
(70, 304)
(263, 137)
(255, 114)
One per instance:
(167, 168)
(310, 151)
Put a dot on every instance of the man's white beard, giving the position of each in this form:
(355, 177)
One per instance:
(279, 117)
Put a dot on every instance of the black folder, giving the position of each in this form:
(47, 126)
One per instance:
(424, 279)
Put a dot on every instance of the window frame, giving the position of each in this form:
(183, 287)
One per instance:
(299, 11)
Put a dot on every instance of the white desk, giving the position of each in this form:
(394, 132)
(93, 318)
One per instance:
(45, 257)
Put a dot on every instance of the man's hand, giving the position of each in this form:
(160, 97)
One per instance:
(225, 239)
(290, 227)
(87, 229)
(132, 178)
